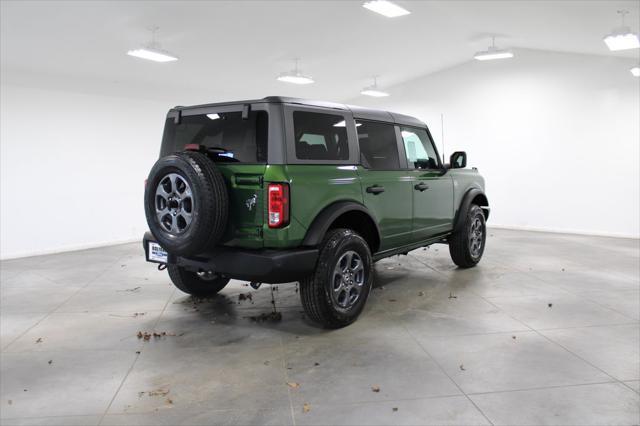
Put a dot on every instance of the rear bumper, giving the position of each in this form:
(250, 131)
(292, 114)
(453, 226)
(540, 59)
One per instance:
(265, 265)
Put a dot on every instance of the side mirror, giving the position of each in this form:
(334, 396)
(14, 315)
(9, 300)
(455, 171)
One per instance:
(458, 160)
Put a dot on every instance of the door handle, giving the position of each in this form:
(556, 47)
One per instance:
(375, 189)
(421, 186)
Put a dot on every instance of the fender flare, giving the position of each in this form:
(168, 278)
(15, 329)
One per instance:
(324, 219)
(464, 207)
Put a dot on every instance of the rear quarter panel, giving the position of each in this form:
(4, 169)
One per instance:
(312, 188)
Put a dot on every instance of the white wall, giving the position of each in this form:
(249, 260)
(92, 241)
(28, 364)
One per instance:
(73, 168)
(555, 135)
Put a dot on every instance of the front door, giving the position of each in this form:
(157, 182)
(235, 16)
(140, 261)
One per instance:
(432, 191)
(386, 188)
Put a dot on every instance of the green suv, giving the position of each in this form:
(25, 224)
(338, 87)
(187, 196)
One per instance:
(280, 190)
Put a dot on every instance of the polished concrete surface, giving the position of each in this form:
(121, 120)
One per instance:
(544, 331)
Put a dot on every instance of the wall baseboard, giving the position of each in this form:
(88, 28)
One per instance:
(564, 231)
(70, 248)
(79, 247)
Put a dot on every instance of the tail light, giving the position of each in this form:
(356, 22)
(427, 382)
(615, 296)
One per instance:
(278, 205)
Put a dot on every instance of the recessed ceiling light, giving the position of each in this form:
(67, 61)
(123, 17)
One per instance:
(152, 51)
(635, 71)
(493, 53)
(386, 8)
(295, 76)
(373, 90)
(622, 38)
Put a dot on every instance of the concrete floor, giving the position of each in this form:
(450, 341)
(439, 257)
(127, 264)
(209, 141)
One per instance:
(544, 331)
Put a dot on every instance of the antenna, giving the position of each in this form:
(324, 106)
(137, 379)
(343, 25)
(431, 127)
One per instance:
(442, 134)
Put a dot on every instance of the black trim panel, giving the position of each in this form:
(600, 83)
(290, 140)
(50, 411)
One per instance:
(325, 218)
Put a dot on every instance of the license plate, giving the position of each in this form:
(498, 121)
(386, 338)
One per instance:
(157, 253)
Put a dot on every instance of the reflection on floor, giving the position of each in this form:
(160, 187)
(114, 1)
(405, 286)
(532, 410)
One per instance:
(544, 331)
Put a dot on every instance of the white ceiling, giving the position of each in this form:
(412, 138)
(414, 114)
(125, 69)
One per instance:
(235, 49)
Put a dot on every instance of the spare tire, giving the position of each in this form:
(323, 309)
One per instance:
(186, 203)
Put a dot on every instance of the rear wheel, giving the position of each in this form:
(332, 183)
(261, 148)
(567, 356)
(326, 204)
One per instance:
(335, 294)
(194, 283)
(466, 245)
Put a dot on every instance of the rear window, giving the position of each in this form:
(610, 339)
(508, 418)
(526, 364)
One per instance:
(320, 136)
(225, 134)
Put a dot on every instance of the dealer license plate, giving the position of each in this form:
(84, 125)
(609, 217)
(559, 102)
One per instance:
(157, 253)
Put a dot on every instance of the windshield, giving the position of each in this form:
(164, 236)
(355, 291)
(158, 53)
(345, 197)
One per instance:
(226, 135)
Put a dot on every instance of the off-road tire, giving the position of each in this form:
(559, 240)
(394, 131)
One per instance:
(210, 202)
(459, 241)
(193, 284)
(315, 290)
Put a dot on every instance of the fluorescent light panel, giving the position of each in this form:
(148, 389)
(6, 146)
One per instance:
(295, 78)
(213, 116)
(635, 71)
(155, 55)
(374, 92)
(622, 40)
(385, 8)
(489, 55)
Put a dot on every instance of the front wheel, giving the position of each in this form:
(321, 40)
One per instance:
(466, 245)
(335, 294)
(196, 284)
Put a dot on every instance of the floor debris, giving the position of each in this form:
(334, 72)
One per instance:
(306, 408)
(421, 293)
(245, 296)
(452, 296)
(395, 409)
(270, 317)
(293, 385)
(462, 367)
(132, 290)
(550, 305)
(39, 340)
(375, 389)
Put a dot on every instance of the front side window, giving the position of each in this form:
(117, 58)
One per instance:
(378, 146)
(320, 136)
(419, 149)
(225, 134)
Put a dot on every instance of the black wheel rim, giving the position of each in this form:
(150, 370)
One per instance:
(174, 204)
(347, 280)
(476, 237)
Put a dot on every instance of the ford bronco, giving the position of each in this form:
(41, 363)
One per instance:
(281, 190)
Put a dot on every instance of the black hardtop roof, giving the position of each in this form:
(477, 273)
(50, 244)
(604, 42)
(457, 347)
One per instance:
(358, 112)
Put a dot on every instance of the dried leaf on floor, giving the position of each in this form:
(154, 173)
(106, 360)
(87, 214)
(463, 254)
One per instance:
(132, 290)
(392, 300)
(375, 389)
(550, 305)
(293, 385)
(452, 296)
(245, 296)
(39, 340)
(395, 409)
(513, 337)
(159, 392)
(421, 293)
(306, 408)
(316, 364)
(169, 401)
(50, 362)
(462, 367)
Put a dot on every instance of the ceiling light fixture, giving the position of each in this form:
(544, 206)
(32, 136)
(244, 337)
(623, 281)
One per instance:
(493, 53)
(385, 8)
(635, 71)
(152, 51)
(373, 90)
(622, 38)
(295, 76)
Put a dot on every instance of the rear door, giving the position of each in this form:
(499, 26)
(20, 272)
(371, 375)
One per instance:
(432, 191)
(236, 139)
(386, 186)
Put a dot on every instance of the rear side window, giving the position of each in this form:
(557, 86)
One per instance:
(378, 145)
(226, 134)
(320, 136)
(420, 151)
